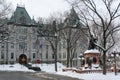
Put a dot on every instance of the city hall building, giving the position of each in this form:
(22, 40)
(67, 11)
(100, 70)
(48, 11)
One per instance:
(20, 44)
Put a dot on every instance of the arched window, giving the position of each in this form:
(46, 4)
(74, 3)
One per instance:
(89, 61)
(94, 60)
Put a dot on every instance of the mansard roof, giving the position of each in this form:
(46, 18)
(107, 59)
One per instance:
(21, 16)
(73, 18)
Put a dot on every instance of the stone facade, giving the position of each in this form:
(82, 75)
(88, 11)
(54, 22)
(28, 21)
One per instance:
(24, 45)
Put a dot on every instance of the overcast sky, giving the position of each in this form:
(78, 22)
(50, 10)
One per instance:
(42, 8)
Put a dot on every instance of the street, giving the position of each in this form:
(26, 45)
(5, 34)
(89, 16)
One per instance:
(32, 76)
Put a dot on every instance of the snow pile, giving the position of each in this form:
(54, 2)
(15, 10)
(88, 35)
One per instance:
(93, 67)
(50, 67)
(14, 67)
(92, 51)
(96, 67)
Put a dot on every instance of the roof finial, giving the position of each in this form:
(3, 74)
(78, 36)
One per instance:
(21, 4)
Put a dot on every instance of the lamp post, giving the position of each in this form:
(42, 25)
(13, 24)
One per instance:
(55, 52)
(109, 60)
(114, 55)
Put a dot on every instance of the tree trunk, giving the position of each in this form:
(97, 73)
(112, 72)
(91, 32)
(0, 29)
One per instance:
(71, 62)
(68, 57)
(104, 62)
(104, 54)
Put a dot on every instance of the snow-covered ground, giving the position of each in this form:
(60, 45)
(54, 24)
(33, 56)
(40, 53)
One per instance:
(14, 67)
(50, 69)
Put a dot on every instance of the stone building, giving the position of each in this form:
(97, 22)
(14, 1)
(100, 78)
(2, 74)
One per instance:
(24, 46)
(20, 45)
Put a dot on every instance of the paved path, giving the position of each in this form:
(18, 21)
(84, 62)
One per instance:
(54, 77)
(32, 76)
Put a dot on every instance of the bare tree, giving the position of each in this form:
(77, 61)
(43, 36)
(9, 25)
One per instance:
(97, 33)
(5, 9)
(71, 33)
(50, 31)
(103, 13)
(72, 37)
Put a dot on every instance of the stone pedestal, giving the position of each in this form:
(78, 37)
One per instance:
(92, 57)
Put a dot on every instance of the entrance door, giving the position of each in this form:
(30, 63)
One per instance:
(23, 59)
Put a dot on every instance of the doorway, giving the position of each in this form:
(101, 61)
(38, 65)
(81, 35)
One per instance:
(23, 59)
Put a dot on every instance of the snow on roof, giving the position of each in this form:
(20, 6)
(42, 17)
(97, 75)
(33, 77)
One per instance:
(92, 51)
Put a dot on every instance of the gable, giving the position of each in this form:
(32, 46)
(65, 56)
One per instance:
(21, 16)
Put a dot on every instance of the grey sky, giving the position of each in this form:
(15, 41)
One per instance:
(42, 8)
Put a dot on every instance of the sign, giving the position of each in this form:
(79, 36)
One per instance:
(38, 61)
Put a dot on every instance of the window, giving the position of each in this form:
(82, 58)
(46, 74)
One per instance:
(23, 30)
(12, 45)
(22, 37)
(53, 56)
(12, 55)
(22, 45)
(59, 46)
(23, 19)
(2, 45)
(2, 55)
(64, 55)
(33, 55)
(34, 45)
(22, 12)
(11, 38)
(46, 55)
(59, 55)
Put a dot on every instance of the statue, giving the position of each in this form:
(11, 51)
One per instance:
(91, 43)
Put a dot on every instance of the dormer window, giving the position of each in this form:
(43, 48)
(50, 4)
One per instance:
(22, 12)
(22, 19)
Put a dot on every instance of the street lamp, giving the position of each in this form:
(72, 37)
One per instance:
(55, 53)
(114, 55)
(81, 56)
(109, 60)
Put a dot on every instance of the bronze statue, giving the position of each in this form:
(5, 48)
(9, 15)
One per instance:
(92, 43)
